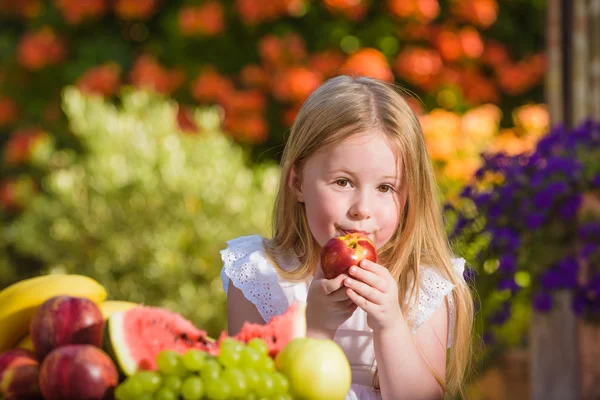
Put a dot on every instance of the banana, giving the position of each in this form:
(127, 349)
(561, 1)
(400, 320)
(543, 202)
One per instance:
(112, 306)
(26, 343)
(108, 307)
(19, 301)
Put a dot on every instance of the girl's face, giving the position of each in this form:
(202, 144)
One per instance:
(354, 186)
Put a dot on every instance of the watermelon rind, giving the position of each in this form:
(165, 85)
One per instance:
(116, 327)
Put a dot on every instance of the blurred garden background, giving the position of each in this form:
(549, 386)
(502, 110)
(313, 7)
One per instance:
(137, 136)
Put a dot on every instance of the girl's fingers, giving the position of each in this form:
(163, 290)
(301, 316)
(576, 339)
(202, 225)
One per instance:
(360, 301)
(328, 286)
(368, 276)
(363, 289)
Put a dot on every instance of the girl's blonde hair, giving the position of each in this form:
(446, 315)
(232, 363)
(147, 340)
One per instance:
(344, 106)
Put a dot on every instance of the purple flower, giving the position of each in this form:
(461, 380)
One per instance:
(534, 220)
(502, 315)
(542, 200)
(570, 207)
(509, 284)
(542, 302)
(469, 275)
(552, 279)
(508, 264)
(596, 181)
(579, 304)
(588, 250)
(488, 338)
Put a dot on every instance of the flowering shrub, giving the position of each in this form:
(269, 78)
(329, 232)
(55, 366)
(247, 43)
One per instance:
(144, 208)
(455, 142)
(530, 224)
(260, 59)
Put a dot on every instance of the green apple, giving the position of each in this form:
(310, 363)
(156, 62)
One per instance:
(316, 369)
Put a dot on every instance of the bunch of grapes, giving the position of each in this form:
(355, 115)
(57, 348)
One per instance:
(239, 372)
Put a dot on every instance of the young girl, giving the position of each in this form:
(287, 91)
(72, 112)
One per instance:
(356, 161)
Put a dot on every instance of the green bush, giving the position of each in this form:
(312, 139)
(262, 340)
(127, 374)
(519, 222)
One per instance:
(145, 208)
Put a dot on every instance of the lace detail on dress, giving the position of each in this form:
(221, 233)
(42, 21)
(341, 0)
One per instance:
(246, 264)
(433, 288)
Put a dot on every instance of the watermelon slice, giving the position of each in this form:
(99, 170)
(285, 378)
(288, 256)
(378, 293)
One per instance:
(137, 336)
(280, 330)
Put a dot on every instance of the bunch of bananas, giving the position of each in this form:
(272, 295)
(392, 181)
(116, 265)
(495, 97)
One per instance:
(19, 302)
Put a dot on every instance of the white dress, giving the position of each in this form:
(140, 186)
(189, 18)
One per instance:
(248, 268)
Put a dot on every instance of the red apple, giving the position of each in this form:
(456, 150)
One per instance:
(77, 372)
(19, 375)
(63, 320)
(342, 252)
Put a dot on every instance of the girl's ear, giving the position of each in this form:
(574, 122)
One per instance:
(295, 185)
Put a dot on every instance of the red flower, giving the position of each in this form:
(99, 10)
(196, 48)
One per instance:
(422, 10)
(254, 76)
(76, 11)
(418, 66)
(482, 13)
(248, 128)
(8, 111)
(470, 40)
(287, 50)
(39, 49)
(148, 73)
(19, 146)
(368, 62)
(449, 45)
(135, 9)
(206, 19)
(295, 84)
(253, 12)
(21, 8)
(210, 86)
(495, 54)
(353, 9)
(185, 120)
(103, 80)
(326, 63)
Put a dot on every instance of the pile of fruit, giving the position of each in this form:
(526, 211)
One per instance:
(60, 339)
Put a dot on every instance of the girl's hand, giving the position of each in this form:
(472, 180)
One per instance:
(372, 288)
(327, 306)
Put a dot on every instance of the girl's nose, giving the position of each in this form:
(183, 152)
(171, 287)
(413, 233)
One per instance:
(360, 208)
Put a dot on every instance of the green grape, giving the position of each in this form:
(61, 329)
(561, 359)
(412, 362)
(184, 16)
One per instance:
(229, 356)
(130, 389)
(169, 363)
(236, 380)
(267, 363)
(252, 378)
(266, 384)
(250, 357)
(285, 396)
(259, 345)
(281, 384)
(192, 388)
(231, 343)
(165, 394)
(217, 389)
(145, 396)
(150, 381)
(211, 369)
(250, 396)
(121, 393)
(194, 359)
(173, 383)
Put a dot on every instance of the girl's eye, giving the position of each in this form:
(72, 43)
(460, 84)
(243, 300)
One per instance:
(385, 188)
(342, 182)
